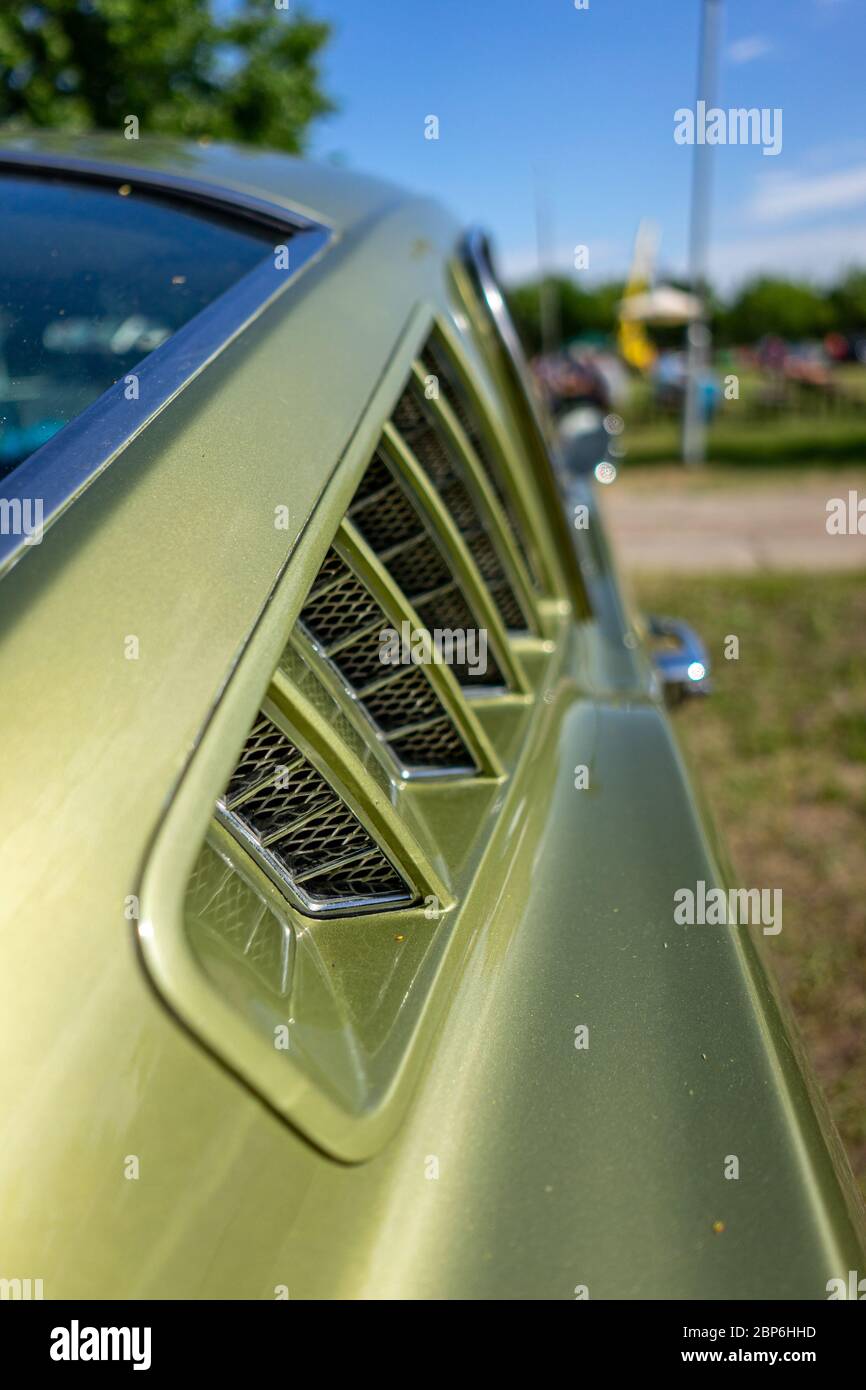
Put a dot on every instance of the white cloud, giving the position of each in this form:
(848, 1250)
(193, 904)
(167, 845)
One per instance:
(747, 50)
(783, 197)
(817, 255)
(607, 259)
(808, 254)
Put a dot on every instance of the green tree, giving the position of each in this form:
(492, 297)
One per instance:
(785, 307)
(250, 75)
(580, 310)
(524, 302)
(849, 301)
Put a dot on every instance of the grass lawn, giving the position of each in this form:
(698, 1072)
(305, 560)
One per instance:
(780, 748)
(806, 433)
(658, 479)
(810, 440)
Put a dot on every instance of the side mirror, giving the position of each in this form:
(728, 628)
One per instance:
(583, 440)
(679, 657)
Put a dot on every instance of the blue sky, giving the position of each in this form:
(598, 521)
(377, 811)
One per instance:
(580, 103)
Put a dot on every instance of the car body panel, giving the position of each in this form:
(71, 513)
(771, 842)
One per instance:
(558, 1167)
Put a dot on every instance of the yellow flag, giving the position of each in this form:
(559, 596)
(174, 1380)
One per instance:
(634, 345)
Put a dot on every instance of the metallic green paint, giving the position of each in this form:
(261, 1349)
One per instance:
(557, 1167)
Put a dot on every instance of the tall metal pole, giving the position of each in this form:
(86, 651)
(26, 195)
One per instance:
(548, 290)
(698, 333)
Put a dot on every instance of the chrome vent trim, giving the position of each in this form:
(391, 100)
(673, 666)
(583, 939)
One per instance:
(290, 820)
(343, 620)
(437, 361)
(394, 525)
(417, 425)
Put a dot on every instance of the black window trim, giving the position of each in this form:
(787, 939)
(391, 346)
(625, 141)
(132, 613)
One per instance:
(61, 469)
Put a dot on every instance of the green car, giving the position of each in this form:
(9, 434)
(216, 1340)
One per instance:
(361, 936)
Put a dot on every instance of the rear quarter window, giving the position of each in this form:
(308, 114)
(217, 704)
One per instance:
(94, 277)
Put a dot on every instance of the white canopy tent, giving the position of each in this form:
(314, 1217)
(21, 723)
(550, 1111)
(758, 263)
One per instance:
(664, 304)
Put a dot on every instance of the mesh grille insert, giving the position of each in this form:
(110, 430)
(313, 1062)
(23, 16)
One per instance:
(413, 419)
(437, 362)
(405, 699)
(377, 477)
(354, 880)
(428, 746)
(347, 621)
(296, 823)
(449, 612)
(266, 753)
(264, 810)
(361, 663)
(220, 906)
(417, 565)
(341, 612)
(331, 837)
(388, 518)
(331, 569)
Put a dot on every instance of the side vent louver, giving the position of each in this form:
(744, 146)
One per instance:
(437, 362)
(395, 528)
(345, 621)
(413, 419)
(301, 833)
(294, 825)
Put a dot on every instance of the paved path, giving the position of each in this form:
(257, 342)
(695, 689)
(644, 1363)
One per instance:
(729, 528)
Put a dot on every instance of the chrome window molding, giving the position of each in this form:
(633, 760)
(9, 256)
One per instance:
(60, 471)
(476, 256)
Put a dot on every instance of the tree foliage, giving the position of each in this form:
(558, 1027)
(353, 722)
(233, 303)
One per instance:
(766, 305)
(848, 299)
(250, 75)
(580, 311)
(782, 307)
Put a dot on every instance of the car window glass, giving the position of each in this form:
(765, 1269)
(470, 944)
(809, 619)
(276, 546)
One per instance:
(93, 277)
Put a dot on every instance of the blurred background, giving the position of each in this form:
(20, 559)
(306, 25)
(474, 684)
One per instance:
(635, 266)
